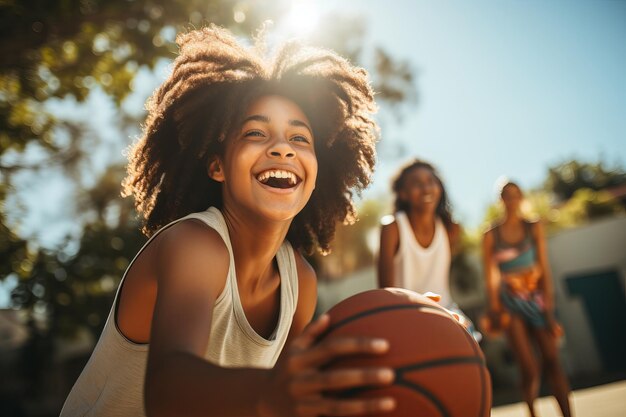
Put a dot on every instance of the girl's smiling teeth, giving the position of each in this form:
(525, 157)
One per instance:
(278, 178)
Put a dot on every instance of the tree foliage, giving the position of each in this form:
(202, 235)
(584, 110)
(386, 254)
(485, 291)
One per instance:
(56, 49)
(565, 179)
(71, 287)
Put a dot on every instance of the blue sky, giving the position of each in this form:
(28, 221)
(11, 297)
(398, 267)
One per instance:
(506, 88)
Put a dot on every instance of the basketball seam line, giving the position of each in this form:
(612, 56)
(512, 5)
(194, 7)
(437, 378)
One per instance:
(433, 399)
(378, 310)
(440, 362)
(400, 382)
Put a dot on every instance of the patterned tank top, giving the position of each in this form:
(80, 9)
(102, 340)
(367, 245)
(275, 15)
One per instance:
(517, 256)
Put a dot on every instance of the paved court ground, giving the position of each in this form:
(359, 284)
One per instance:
(602, 401)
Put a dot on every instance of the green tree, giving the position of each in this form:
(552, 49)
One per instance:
(568, 177)
(71, 286)
(584, 205)
(56, 49)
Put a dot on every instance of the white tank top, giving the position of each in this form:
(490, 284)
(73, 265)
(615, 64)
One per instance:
(113, 379)
(423, 269)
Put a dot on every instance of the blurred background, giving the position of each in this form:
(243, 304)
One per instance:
(532, 90)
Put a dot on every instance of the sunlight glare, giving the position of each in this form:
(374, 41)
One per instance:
(302, 17)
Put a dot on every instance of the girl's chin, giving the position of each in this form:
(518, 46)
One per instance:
(431, 206)
(278, 213)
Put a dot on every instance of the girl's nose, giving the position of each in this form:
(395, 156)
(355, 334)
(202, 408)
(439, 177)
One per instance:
(281, 148)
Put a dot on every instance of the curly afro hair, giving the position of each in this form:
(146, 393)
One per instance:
(214, 79)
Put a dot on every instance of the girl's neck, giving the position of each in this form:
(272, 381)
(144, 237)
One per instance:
(255, 243)
(513, 217)
(423, 225)
(421, 218)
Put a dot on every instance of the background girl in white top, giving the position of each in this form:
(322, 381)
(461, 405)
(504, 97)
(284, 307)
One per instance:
(417, 242)
(198, 326)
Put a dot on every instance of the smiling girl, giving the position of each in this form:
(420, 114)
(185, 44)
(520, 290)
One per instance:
(244, 164)
(417, 242)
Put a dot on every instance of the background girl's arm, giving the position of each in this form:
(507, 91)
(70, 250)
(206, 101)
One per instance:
(454, 237)
(492, 273)
(389, 243)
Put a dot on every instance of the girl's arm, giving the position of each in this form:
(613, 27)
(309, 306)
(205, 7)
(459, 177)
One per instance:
(193, 264)
(542, 259)
(492, 273)
(389, 243)
(307, 297)
(454, 237)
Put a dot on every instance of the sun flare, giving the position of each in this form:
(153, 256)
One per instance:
(302, 17)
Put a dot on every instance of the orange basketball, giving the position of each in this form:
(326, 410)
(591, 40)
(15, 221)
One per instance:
(440, 370)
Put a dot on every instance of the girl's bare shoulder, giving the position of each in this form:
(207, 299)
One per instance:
(387, 220)
(389, 226)
(492, 228)
(536, 227)
(306, 273)
(191, 235)
(189, 250)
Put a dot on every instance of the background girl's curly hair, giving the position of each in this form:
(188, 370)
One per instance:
(443, 209)
(194, 111)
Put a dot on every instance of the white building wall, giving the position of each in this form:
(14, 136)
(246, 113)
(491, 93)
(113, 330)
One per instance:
(595, 247)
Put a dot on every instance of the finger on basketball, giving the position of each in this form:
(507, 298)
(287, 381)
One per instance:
(460, 318)
(433, 296)
(334, 347)
(311, 332)
(338, 408)
(316, 382)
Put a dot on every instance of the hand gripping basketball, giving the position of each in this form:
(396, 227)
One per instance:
(298, 381)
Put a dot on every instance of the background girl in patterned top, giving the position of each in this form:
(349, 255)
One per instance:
(520, 294)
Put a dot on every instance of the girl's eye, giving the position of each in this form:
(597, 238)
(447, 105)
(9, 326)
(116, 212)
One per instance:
(255, 133)
(300, 138)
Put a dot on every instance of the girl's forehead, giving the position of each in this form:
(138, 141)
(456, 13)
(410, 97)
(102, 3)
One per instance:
(420, 173)
(511, 190)
(276, 105)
